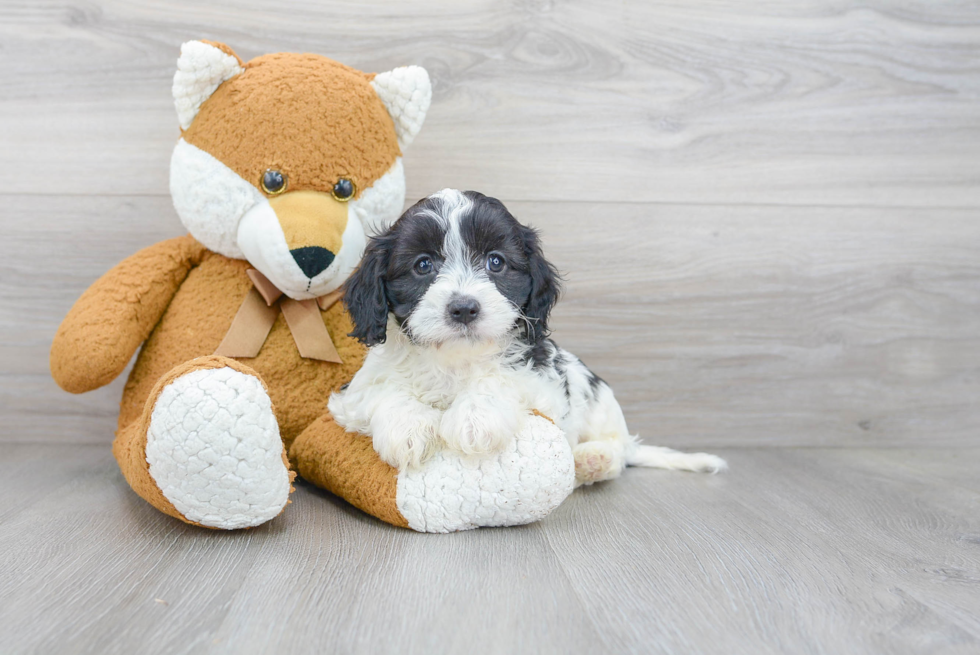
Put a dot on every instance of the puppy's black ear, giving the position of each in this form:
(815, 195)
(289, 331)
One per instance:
(365, 297)
(545, 287)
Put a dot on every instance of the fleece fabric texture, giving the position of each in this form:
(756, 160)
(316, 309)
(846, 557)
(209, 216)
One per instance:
(316, 121)
(345, 464)
(214, 449)
(406, 92)
(449, 491)
(521, 484)
(197, 319)
(202, 67)
(182, 298)
(307, 116)
(117, 313)
(129, 448)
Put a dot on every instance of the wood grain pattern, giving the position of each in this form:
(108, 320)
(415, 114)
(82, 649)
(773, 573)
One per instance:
(793, 551)
(716, 326)
(812, 102)
(812, 534)
(767, 214)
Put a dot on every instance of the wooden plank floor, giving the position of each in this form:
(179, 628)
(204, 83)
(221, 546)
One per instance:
(794, 551)
(767, 213)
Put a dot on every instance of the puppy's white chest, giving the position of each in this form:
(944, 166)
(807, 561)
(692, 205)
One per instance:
(439, 384)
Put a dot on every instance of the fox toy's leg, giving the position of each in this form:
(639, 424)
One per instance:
(346, 464)
(206, 449)
(449, 491)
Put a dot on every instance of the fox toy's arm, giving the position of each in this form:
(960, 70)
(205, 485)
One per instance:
(117, 313)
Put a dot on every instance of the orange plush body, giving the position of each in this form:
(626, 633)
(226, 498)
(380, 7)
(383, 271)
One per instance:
(285, 165)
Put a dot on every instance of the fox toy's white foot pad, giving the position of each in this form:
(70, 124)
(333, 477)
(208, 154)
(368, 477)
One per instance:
(521, 484)
(214, 450)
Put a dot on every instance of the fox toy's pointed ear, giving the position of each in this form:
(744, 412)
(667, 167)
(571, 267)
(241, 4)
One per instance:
(201, 68)
(406, 92)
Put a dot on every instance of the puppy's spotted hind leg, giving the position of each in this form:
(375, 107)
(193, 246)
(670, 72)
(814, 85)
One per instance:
(596, 461)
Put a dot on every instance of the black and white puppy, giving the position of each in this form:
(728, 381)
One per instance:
(454, 301)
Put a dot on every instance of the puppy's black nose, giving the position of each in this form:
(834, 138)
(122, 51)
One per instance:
(312, 260)
(463, 310)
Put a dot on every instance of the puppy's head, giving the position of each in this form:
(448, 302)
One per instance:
(455, 266)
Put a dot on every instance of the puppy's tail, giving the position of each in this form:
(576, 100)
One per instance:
(665, 458)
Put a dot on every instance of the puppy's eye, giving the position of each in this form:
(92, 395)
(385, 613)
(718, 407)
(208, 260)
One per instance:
(274, 182)
(343, 190)
(495, 262)
(423, 266)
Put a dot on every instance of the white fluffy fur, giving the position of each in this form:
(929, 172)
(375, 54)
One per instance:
(407, 397)
(201, 69)
(231, 216)
(428, 323)
(469, 388)
(406, 92)
(214, 450)
(210, 198)
(525, 481)
(379, 205)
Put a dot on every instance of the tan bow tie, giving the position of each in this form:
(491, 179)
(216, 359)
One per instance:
(258, 313)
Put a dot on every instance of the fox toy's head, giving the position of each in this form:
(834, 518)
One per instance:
(288, 160)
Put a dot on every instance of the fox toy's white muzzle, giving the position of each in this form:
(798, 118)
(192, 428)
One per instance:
(304, 242)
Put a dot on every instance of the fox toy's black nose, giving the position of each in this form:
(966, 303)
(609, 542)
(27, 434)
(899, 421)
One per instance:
(312, 260)
(463, 310)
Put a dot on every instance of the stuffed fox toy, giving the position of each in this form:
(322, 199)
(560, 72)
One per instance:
(282, 166)
(285, 165)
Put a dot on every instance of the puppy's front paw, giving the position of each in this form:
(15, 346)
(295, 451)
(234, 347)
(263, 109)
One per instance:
(478, 425)
(404, 439)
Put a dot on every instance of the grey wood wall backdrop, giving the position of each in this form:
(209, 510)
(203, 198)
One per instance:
(767, 211)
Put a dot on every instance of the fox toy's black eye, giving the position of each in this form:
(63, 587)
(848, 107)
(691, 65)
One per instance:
(423, 266)
(343, 190)
(495, 262)
(274, 182)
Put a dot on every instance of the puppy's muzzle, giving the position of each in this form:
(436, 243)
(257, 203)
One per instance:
(463, 310)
